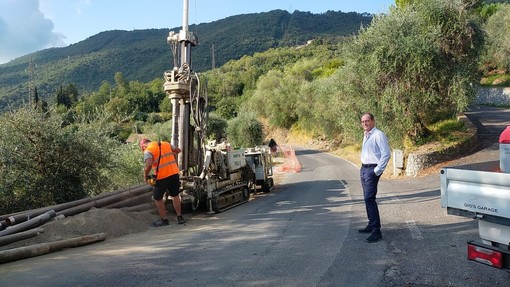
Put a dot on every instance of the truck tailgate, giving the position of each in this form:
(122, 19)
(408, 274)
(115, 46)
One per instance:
(476, 188)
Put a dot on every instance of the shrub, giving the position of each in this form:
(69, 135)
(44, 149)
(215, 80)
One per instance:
(245, 131)
(46, 161)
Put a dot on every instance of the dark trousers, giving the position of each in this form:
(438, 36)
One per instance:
(369, 183)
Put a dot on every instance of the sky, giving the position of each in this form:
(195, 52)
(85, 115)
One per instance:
(27, 26)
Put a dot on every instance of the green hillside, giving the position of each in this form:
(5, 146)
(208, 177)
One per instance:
(143, 55)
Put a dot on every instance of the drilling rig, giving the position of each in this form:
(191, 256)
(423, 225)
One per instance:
(213, 175)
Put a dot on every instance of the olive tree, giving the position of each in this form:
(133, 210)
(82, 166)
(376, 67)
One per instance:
(411, 67)
(498, 37)
(44, 160)
(245, 131)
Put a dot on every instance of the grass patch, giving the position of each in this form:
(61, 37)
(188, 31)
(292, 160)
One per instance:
(349, 152)
(495, 80)
(449, 131)
(444, 134)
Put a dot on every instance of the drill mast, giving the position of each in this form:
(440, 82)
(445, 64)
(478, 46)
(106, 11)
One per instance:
(182, 86)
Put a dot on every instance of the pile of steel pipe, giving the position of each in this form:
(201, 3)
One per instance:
(34, 222)
(104, 201)
(27, 215)
(75, 207)
(22, 225)
(18, 217)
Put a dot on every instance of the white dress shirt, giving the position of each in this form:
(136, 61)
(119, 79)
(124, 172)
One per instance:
(375, 150)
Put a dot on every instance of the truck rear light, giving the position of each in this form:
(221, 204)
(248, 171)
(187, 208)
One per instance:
(485, 256)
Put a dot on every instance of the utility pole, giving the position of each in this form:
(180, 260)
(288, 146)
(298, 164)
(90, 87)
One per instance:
(213, 57)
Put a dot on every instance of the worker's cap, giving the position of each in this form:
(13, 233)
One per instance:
(144, 141)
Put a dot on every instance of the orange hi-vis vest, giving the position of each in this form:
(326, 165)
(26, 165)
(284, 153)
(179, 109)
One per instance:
(167, 163)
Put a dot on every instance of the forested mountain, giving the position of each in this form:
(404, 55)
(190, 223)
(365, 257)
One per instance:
(144, 55)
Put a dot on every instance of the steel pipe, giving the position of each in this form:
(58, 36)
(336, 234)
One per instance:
(135, 200)
(105, 200)
(34, 222)
(19, 218)
(141, 207)
(45, 248)
(77, 209)
(8, 239)
(122, 196)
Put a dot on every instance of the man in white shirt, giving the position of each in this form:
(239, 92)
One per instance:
(375, 154)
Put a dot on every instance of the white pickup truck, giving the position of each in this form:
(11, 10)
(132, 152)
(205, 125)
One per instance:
(480, 191)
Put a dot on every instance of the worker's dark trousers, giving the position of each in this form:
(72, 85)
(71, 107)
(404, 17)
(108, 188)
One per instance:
(369, 183)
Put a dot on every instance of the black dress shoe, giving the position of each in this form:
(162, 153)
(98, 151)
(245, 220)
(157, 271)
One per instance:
(367, 229)
(374, 237)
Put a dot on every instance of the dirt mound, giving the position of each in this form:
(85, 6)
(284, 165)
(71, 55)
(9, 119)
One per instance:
(112, 222)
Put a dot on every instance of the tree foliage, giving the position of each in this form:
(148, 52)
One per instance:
(67, 96)
(413, 66)
(45, 161)
(497, 27)
(245, 131)
(416, 59)
(216, 128)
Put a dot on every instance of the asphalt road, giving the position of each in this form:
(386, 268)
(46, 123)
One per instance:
(290, 237)
(489, 121)
(303, 234)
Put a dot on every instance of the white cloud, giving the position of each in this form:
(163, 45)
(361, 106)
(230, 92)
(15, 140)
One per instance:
(25, 29)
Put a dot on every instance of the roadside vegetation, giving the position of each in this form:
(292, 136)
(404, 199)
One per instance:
(415, 68)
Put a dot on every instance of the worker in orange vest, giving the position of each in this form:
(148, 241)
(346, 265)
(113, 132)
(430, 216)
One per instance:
(160, 156)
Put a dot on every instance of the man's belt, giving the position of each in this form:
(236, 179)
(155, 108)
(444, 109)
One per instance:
(369, 165)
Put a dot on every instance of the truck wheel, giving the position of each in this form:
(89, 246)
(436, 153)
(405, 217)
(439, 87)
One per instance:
(246, 192)
(270, 182)
(266, 187)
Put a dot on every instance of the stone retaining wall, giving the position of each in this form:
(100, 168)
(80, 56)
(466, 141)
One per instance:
(417, 162)
(494, 96)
